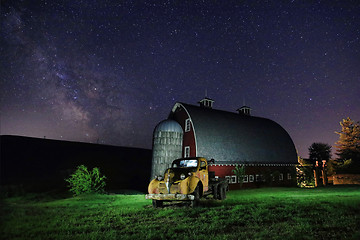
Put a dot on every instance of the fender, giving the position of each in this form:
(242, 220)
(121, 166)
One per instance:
(194, 181)
(154, 186)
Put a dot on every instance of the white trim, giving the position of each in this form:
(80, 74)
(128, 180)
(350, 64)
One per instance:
(281, 177)
(186, 151)
(228, 179)
(251, 178)
(245, 177)
(255, 165)
(173, 110)
(233, 179)
(187, 121)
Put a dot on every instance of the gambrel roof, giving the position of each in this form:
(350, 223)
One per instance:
(232, 137)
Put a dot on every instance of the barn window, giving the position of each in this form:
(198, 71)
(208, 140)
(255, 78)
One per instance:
(251, 178)
(245, 179)
(187, 125)
(187, 151)
(281, 177)
(233, 179)
(288, 176)
(228, 179)
(258, 178)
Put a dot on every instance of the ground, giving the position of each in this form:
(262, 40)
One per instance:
(266, 213)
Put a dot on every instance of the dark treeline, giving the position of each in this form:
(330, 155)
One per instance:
(42, 165)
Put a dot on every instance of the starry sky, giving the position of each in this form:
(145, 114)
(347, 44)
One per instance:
(108, 71)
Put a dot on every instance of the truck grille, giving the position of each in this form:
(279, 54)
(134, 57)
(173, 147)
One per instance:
(162, 187)
(175, 188)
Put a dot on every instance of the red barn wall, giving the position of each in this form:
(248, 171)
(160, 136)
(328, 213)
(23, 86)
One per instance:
(226, 171)
(189, 137)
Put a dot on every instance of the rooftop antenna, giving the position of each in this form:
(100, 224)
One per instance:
(245, 110)
(206, 101)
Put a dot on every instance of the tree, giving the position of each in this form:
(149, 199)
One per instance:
(239, 172)
(319, 152)
(304, 173)
(85, 181)
(348, 145)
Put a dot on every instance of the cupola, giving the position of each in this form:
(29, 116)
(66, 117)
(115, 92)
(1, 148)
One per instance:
(206, 102)
(244, 110)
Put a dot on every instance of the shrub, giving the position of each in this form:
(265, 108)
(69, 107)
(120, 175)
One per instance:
(239, 171)
(85, 181)
(305, 176)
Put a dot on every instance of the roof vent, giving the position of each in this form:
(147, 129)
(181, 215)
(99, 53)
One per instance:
(206, 102)
(244, 110)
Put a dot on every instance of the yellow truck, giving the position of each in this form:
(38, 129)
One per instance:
(188, 179)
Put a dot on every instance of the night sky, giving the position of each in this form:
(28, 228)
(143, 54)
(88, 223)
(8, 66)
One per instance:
(108, 71)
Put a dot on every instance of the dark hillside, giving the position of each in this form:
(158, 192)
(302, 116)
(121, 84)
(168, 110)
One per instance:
(42, 164)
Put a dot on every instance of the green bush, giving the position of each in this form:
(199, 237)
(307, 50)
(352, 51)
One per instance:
(85, 181)
(239, 171)
(305, 176)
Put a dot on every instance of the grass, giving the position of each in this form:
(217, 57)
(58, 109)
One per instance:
(267, 213)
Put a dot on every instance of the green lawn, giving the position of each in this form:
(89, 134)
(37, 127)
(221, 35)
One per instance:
(267, 213)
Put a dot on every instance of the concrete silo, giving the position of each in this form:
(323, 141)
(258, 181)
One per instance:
(167, 146)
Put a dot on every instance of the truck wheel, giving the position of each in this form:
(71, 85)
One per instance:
(196, 193)
(215, 192)
(222, 192)
(157, 203)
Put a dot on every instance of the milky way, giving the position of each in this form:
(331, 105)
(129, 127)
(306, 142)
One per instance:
(109, 71)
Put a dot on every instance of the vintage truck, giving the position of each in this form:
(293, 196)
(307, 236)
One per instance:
(188, 179)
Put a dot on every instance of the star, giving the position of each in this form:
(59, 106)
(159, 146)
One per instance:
(112, 71)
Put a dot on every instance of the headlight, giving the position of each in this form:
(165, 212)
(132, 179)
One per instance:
(182, 176)
(159, 178)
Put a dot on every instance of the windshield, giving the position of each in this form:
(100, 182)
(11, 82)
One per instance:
(182, 163)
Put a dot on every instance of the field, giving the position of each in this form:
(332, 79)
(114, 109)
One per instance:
(267, 213)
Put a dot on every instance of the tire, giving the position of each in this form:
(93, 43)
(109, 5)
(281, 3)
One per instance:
(196, 193)
(222, 192)
(215, 192)
(157, 203)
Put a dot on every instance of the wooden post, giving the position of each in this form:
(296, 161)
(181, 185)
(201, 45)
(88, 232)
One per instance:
(315, 178)
(324, 173)
(316, 175)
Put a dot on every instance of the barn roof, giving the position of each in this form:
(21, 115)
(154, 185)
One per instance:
(232, 137)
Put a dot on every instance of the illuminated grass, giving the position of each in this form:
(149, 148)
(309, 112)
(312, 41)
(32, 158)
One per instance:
(268, 213)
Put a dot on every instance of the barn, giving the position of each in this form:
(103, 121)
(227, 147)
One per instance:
(259, 146)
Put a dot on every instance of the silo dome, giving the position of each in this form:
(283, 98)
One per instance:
(168, 126)
(167, 146)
